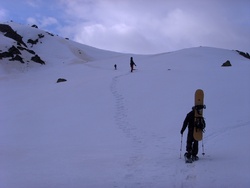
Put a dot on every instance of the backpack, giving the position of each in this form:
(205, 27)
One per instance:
(200, 123)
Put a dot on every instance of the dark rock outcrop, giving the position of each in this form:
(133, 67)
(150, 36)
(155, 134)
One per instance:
(17, 58)
(9, 32)
(32, 41)
(61, 80)
(37, 59)
(227, 64)
(246, 55)
(14, 50)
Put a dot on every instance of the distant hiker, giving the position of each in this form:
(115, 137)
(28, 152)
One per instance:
(192, 144)
(115, 67)
(132, 64)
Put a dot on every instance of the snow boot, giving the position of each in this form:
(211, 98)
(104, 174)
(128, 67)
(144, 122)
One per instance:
(195, 158)
(188, 158)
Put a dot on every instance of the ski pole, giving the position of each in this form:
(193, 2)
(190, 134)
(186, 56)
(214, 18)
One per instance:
(181, 145)
(203, 150)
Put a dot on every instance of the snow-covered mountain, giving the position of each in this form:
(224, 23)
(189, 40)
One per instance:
(113, 128)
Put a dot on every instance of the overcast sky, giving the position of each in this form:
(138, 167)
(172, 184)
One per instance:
(138, 26)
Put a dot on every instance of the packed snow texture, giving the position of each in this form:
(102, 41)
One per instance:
(106, 128)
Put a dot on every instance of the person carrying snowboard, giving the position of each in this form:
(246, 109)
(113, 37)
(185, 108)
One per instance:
(192, 144)
(132, 64)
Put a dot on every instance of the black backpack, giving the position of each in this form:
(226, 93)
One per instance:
(200, 123)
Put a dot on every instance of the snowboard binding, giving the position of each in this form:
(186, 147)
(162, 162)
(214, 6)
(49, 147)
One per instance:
(199, 108)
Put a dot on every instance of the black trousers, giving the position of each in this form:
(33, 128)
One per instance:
(192, 144)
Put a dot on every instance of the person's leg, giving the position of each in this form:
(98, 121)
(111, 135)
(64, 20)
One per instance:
(195, 148)
(189, 145)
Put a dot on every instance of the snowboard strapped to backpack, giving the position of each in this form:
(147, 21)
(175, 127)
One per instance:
(199, 123)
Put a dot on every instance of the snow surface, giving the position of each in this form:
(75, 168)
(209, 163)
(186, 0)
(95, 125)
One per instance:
(112, 128)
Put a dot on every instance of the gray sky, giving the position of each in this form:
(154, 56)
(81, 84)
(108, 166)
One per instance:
(138, 26)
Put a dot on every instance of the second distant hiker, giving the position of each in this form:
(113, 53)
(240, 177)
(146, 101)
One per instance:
(132, 64)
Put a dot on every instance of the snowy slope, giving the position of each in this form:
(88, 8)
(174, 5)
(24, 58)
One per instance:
(112, 128)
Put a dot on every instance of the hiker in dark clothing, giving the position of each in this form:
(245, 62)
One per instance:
(192, 144)
(132, 64)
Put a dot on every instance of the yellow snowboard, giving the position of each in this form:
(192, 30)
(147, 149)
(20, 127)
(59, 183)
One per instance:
(199, 123)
